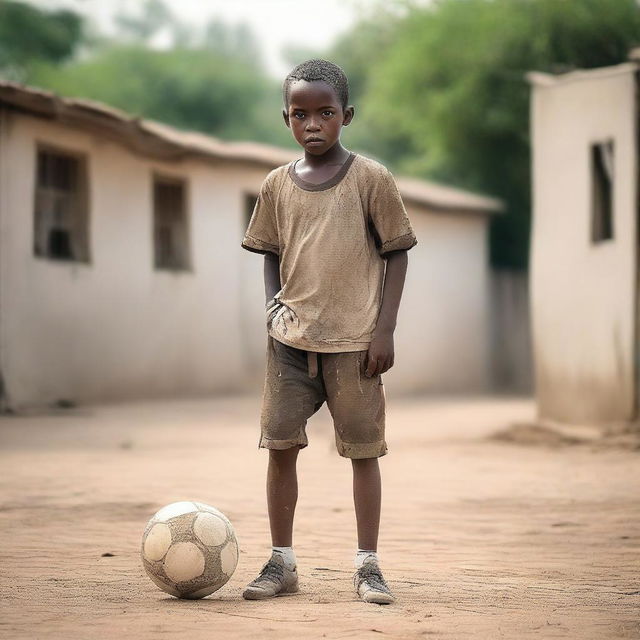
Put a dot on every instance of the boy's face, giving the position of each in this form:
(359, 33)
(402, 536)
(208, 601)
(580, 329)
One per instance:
(315, 115)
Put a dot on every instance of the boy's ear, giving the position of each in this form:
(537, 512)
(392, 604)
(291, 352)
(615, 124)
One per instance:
(285, 116)
(349, 112)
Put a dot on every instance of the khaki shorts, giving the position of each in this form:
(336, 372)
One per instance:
(298, 382)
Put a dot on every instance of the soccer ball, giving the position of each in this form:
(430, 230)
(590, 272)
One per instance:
(189, 549)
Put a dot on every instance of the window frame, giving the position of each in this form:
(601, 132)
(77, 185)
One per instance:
(186, 260)
(602, 192)
(83, 206)
(248, 197)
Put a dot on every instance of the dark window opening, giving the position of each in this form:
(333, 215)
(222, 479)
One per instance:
(61, 206)
(170, 233)
(60, 244)
(602, 191)
(249, 205)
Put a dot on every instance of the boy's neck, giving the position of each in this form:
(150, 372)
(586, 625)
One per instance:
(335, 155)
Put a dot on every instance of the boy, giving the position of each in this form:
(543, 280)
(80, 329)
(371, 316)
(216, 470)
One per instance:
(327, 224)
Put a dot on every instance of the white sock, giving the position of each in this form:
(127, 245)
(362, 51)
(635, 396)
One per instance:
(287, 555)
(364, 555)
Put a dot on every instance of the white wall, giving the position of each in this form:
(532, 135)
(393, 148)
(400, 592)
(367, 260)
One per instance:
(583, 294)
(510, 321)
(442, 337)
(117, 328)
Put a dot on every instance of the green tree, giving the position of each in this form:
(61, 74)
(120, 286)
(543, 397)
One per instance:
(29, 35)
(447, 97)
(141, 27)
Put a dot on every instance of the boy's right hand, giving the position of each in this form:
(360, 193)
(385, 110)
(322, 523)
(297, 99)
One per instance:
(272, 308)
(277, 310)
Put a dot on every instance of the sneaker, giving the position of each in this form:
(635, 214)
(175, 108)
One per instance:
(370, 584)
(274, 579)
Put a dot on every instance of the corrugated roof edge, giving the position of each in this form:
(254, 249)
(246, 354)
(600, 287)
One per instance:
(159, 140)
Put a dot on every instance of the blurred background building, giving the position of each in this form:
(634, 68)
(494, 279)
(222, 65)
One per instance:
(585, 257)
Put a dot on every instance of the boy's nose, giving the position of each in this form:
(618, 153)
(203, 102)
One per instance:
(312, 125)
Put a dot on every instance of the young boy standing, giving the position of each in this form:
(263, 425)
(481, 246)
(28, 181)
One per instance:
(334, 234)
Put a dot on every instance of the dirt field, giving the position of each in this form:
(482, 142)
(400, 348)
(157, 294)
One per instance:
(480, 537)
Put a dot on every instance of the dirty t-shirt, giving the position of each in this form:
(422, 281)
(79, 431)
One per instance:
(330, 239)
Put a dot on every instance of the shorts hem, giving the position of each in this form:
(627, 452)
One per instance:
(357, 450)
(270, 443)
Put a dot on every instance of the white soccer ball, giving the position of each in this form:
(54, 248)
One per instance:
(189, 549)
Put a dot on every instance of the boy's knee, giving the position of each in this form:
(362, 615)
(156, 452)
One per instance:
(284, 456)
(364, 463)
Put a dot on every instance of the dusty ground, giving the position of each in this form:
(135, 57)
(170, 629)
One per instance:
(481, 537)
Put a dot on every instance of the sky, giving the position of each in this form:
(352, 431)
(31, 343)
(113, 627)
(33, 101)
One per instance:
(275, 23)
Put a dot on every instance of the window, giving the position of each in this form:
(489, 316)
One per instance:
(61, 213)
(170, 225)
(250, 200)
(602, 191)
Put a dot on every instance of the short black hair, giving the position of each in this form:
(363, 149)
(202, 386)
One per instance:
(318, 69)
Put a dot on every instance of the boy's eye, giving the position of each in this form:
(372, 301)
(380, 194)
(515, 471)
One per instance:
(298, 115)
(328, 114)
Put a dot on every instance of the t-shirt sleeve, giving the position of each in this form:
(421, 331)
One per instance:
(388, 216)
(261, 235)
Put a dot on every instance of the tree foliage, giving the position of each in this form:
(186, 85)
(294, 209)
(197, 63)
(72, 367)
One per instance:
(447, 96)
(29, 35)
(189, 88)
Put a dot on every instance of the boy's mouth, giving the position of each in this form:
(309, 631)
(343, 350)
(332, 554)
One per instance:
(312, 140)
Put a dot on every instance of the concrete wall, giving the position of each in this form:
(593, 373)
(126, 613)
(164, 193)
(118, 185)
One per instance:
(511, 358)
(116, 328)
(442, 338)
(3, 230)
(583, 294)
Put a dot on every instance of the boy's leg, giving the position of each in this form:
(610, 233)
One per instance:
(291, 396)
(279, 574)
(282, 494)
(368, 580)
(366, 498)
(357, 404)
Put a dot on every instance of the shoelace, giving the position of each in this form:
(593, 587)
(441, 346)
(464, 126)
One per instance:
(271, 571)
(371, 574)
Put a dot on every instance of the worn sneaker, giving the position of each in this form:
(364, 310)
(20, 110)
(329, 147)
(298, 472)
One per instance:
(274, 579)
(370, 584)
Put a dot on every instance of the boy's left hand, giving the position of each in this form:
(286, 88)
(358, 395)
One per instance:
(380, 354)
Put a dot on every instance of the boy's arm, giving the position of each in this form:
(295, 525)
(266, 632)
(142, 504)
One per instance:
(271, 275)
(272, 287)
(380, 355)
